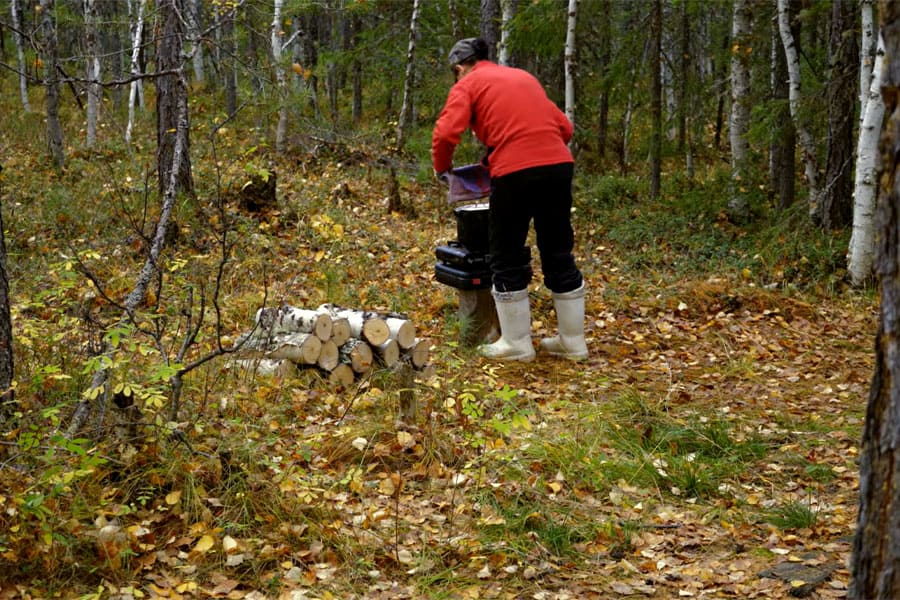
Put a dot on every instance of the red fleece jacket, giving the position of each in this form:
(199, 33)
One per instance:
(510, 113)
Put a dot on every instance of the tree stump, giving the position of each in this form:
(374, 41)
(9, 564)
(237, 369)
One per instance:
(478, 323)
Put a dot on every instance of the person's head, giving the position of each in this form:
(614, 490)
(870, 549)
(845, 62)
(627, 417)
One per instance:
(465, 53)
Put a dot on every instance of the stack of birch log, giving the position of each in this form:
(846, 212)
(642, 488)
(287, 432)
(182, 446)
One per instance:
(343, 343)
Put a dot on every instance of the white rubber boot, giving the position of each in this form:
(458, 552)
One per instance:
(569, 343)
(514, 315)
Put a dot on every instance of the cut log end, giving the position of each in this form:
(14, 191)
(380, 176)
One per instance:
(342, 376)
(388, 353)
(328, 356)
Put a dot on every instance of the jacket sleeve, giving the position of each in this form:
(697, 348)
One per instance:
(452, 122)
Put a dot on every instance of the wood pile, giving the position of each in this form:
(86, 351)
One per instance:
(342, 343)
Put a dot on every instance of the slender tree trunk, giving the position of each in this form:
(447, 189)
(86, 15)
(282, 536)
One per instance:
(874, 562)
(134, 92)
(99, 390)
(92, 72)
(356, 72)
(171, 98)
(861, 253)
(741, 48)
(194, 27)
(835, 207)
(685, 67)
(656, 98)
(229, 49)
(570, 62)
(453, 11)
(782, 150)
(405, 121)
(7, 393)
(807, 143)
(507, 13)
(277, 33)
(605, 54)
(20, 54)
(490, 26)
(51, 83)
(867, 44)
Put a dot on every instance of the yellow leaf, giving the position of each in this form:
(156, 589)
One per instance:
(405, 439)
(172, 498)
(795, 583)
(204, 544)
(296, 68)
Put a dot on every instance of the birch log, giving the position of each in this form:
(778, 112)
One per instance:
(342, 376)
(357, 354)
(419, 353)
(340, 331)
(403, 331)
(266, 366)
(301, 348)
(388, 353)
(365, 325)
(328, 356)
(287, 319)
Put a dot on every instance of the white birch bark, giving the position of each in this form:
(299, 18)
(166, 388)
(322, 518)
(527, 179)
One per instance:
(867, 45)
(570, 60)
(404, 122)
(194, 11)
(287, 319)
(280, 77)
(739, 121)
(92, 73)
(861, 252)
(807, 143)
(135, 91)
(20, 53)
(507, 12)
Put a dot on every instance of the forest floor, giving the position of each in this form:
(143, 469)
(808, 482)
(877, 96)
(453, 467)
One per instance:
(706, 449)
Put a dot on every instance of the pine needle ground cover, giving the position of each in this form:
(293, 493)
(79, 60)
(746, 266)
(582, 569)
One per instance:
(706, 449)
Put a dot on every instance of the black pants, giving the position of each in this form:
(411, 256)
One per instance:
(544, 195)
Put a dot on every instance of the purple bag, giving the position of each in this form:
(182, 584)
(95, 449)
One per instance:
(471, 182)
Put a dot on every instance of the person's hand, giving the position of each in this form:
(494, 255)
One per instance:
(443, 177)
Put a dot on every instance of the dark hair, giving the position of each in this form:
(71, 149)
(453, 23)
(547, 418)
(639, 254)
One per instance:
(468, 51)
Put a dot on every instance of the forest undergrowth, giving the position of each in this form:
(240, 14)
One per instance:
(707, 448)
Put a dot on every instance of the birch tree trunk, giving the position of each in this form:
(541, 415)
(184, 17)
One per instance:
(782, 149)
(861, 252)
(570, 62)
(738, 202)
(276, 34)
(92, 72)
(876, 544)
(507, 13)
(51, 83)
(807, 143)
(835, 205)
(135, 91)
(194, 27)
(656, 98)
(20, 53)
(404, 122)
(867, 48)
